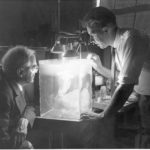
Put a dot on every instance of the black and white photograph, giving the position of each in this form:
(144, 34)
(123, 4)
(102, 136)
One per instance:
(74, 74)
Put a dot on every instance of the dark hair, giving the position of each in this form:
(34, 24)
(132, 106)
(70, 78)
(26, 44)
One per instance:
(16, 58)
(99, 17)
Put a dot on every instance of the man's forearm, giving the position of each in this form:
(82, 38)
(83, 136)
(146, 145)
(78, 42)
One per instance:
(107, 72)
(119, 97)
(104, 72)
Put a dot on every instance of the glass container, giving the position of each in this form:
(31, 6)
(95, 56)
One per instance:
(65, 88)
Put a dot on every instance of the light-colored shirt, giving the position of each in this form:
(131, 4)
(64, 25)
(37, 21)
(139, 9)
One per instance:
(20, 87)
(132, 57)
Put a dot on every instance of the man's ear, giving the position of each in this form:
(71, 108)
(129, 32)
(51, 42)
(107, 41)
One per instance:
(105, 29)
(108, 27)
(20, 72)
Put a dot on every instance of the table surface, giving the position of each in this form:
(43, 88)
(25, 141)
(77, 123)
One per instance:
(77, 129)
(66, 125)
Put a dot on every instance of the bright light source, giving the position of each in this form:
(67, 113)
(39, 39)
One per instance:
(65, 88)
(98, 3)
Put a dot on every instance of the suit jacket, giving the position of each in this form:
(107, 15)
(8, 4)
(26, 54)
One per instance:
(12, 108)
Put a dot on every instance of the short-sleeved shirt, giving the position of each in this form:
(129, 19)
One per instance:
(132, 57)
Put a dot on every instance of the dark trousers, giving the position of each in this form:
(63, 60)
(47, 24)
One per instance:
(143, 137)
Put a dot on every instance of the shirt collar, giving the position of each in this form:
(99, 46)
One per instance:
(20, 87)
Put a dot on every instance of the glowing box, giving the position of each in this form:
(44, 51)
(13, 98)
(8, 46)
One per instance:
(65, 88)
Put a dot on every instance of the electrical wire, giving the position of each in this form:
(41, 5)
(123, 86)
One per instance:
(134, 19)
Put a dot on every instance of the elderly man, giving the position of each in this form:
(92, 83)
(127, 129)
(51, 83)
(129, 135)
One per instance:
(18, 68)
(132, 58)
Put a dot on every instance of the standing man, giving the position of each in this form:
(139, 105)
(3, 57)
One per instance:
(132, 58)
(18, 68)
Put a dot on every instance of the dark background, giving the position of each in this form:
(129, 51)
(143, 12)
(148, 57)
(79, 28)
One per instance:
(35, 22)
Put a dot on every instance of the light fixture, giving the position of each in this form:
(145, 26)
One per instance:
(98, 3)
(57, 48)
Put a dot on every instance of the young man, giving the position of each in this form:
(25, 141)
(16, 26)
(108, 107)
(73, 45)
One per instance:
(18, 68)
(132, 58)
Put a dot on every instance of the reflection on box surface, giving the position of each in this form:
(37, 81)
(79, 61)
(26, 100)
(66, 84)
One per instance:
(65, 88)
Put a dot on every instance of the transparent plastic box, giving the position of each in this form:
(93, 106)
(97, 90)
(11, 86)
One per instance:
(65, 88)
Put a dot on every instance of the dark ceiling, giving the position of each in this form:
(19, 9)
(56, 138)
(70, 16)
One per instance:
(35, 22)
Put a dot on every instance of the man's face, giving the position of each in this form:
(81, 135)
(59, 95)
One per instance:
(30, 69)
(99, 36)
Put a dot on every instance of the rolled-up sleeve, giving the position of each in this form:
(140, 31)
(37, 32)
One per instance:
(135, 52)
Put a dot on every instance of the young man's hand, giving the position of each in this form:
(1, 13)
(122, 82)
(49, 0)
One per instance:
(92, 115)
(95, 61)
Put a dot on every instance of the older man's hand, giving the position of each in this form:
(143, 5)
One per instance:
(17, 139)
(19, 135)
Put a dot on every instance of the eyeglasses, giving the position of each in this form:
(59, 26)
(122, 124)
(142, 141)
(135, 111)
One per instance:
(33, 68)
